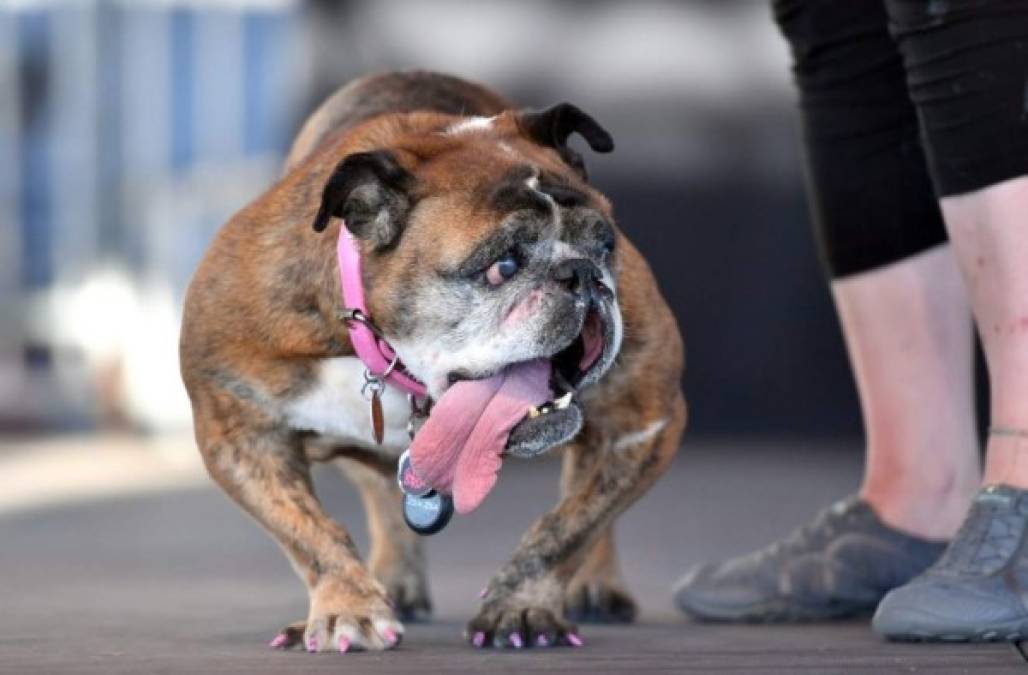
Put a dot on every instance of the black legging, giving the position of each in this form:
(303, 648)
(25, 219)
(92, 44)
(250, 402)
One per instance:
(904, 101)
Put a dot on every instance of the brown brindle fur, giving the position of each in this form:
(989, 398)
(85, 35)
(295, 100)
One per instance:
(262, 311)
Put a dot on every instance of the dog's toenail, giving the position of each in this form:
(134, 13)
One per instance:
(542, 641)
(575, 640)
(478, 640)
(312, 645)
(344, 645)
(515, 639)
(390, 635)
(279, 641)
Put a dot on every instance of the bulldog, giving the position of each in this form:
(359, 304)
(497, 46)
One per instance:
(496, 278)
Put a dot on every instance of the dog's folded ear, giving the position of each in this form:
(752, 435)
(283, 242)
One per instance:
(370, 191)
(553, 126)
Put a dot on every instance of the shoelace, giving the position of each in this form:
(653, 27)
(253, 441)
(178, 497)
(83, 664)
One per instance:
(988, 538)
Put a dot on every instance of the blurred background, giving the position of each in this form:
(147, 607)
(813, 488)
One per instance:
(131, 129)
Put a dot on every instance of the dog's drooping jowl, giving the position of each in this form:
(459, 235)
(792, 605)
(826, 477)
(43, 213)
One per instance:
(492, 269)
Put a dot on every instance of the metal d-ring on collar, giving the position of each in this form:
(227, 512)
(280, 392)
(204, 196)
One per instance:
(352, 314)
(377, 382)
(372, 381)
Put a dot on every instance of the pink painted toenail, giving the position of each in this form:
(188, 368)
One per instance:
(542, 641)
(479, 639)
(312, 645)
(515, 639)
(482, 593)
(575, 640)
(280, 641)
(344, 645)
(390, 635)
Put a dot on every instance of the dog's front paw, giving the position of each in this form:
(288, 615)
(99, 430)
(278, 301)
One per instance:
(515, 620)
(521, 626)
(344, 617)
(599, 601)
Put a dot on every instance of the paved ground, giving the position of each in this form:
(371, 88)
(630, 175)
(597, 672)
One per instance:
(176, 580)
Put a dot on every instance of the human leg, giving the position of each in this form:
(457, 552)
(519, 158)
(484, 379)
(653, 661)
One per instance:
(967, 66)
(906, 325)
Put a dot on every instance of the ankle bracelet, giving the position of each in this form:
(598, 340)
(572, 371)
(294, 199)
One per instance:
(1008, 431)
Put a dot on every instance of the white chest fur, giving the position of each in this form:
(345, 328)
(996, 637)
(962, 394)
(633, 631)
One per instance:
(335, 408)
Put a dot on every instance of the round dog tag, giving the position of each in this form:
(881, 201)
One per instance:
(408, 480)
(428, 514)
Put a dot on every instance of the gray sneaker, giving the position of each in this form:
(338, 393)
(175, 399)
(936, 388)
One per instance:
(978, 590)
(840, 565)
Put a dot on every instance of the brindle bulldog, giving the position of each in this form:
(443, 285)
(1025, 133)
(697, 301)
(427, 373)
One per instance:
(486, 254)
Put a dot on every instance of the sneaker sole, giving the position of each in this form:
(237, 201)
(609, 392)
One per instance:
(919, 624)
(1015, 632)
(775, 611)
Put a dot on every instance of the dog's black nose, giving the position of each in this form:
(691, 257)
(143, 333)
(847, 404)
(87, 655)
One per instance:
(577, 275)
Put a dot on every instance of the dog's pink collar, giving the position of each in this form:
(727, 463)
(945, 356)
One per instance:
(378, 356)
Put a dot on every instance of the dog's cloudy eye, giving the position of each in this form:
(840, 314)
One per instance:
(501, 270)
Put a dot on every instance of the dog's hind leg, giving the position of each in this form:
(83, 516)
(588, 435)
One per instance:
(596, 593)
(397, 558)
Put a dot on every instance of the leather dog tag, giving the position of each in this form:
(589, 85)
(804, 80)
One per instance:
(377, 418)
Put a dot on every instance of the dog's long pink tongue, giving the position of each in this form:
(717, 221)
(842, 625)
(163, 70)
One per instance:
(459, 447)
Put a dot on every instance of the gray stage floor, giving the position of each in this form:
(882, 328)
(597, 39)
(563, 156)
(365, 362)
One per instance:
(181, 582)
